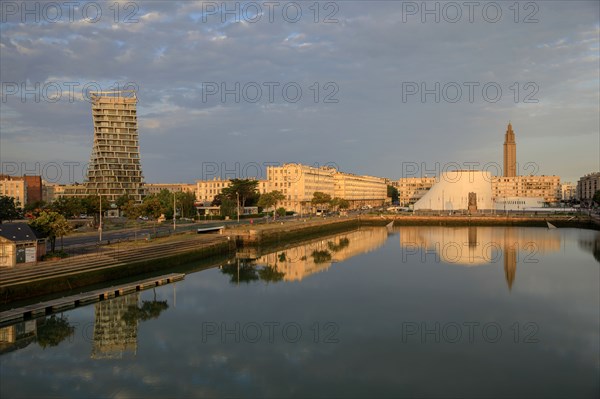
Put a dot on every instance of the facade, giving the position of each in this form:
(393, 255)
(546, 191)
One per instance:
(547, 188)
(510, 153)
(299, 182)
(459, 190)
(14, 187)
(206, 190)
(587, 187)
(360, 190)
(115, 168)
(51, 191)
(568, 191)
(34, 188)
(20, 244)
(412, 189)
(155, 188)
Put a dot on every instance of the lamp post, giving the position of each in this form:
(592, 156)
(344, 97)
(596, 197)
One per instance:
(174, 226)
(238, 206)
(100, 218)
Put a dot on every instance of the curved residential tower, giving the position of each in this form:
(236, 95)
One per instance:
(115, 168)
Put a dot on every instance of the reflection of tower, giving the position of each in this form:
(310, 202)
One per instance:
(510, 153)
(472, 236)
(510, 257)
(114, 168)
(113, 335)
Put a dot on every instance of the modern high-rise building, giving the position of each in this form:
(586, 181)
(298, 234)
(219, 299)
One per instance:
(510, 153)
(115, 168)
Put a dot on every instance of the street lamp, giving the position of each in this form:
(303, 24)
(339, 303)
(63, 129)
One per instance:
(174, 226)
(238, 206)
(100, 224)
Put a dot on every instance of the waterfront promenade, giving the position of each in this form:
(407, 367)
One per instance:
(108, 263)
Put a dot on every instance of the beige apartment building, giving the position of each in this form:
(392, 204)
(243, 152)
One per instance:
(411, 189)
(360, 190)
(546, 187)
(587, 187)
(569, 191)
(206, 190)
(14, 187)
(299, 182)
(155, 188)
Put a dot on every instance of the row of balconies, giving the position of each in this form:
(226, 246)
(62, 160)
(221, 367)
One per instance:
(126, 143)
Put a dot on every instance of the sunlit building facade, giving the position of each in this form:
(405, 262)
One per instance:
(115, 168)
(412, 189)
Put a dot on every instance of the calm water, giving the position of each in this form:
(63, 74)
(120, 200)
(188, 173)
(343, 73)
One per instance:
(427, 311)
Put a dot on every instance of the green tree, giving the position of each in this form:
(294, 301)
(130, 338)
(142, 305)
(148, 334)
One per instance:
(320, 199)
(35, 206)
(131, 210)
(228, 207)
(52, 224)
(281, 211)
(53, 331)
(8, 208)
(247, 190)
(186, 203)
(340, 203)
(122, 201)
(152, 207)
(270, 199)
(596, 197)
(68, 206)
(270, 274)
(91, 206)
(393, 193)
(148, 310)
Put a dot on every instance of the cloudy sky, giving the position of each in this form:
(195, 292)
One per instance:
(353, 84)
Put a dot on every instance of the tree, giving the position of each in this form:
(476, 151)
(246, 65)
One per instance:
(8, 208)
(270, 200)
(68, 206)
(393, 193)
(247, 190)
(320, 198)
(131, 210)
(152, 207)
(340, 203)
(596, 197)
(52, 224)
(91, 205)
(53, 331)
(122, 201)
(281, 211)
(148, 310)
(186, 202)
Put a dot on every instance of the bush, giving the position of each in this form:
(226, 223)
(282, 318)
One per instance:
(56, 254)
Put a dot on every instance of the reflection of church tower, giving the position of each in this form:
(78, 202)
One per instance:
(510, 257)
(112, 334)
(510, 153)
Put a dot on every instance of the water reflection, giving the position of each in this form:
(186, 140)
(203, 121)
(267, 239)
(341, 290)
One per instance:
(47, 332)
(591, 245)
(476, 246)
(116, 324)
(298, 262)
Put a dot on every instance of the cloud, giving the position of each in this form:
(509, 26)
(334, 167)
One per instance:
(176, 48)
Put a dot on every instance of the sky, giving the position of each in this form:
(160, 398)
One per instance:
(384, 88)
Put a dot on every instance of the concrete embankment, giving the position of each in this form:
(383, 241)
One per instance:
(109, 264)
(582, 222)
(276, 232)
